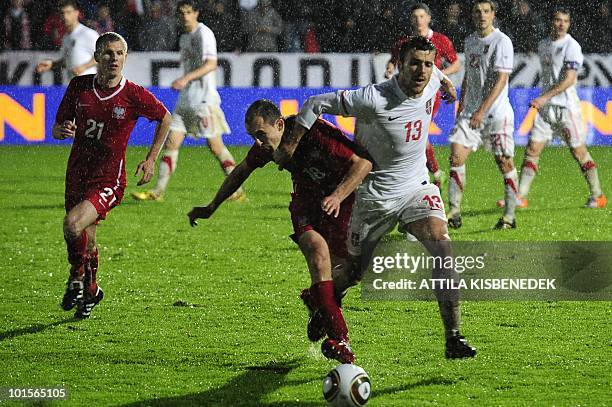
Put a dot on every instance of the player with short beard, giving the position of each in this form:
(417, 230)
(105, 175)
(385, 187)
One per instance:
(559, 110)
(326, 169)
(99, 112)
(420, 19)
(393, 119)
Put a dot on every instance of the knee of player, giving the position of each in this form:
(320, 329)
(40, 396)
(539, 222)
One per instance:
(579, 152)
(71, 227)
(455, 160)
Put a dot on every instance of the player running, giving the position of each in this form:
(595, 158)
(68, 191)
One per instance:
(420, 19)
(485, 115)
(198, 109)
(78, 44)
(393, 119)
(326, 169)
(99, 112)
(559, 110)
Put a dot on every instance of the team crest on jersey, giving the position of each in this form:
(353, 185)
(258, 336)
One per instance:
(486, 49)
(428, 106)
(558, 50)
(118, 112)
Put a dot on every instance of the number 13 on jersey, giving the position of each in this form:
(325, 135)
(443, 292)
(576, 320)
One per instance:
(416, 134)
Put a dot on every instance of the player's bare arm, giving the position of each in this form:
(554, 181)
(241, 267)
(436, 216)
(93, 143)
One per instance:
(389, 69)
(452, 68)
(65, 130)
(230, 185)
(569, 78)
(147, 166)
(359, 169)
(77, 70)
(47, 64)
(209, 65)
(449, 93)
(478, 116)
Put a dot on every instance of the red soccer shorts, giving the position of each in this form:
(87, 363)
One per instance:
(102, 197)
(306, 214)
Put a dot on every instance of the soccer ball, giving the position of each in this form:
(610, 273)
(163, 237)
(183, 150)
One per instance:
(347, 385)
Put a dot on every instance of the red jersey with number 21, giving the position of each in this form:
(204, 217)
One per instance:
(104, 119)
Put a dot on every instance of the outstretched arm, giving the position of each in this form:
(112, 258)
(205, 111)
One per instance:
(147, 166)
(360, 167)
(230, 185)
(347, 103)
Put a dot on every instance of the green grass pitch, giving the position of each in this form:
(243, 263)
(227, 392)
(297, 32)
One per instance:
(211, 315)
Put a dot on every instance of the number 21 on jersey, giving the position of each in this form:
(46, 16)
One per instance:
(94, 129)
(416, 134)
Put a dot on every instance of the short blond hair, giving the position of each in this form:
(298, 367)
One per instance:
(107, 38)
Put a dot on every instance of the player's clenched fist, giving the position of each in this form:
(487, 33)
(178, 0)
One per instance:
(63, 131)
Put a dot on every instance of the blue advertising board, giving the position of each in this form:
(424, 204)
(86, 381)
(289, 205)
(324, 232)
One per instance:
(28, 113)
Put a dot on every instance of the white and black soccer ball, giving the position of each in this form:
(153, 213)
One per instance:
(347, 386)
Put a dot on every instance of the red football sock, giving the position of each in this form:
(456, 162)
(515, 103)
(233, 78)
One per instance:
(77, 252)
(91, 269)
(326, 302)
(432, 163)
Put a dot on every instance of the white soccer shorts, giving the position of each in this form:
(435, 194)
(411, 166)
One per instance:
(561, 122)
(372, 219)
(496, 135)
(205, 121)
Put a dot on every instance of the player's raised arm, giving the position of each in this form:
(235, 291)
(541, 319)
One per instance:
(449, 93)
(147, 166)
(232, 182)
(348, 103)
(359, 169)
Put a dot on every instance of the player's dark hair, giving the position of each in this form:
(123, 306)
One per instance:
(561, 10)
(420, 6)
(416, 42)
(263, 108)
(195, 5)
(489, 2)
(107, 38)
(68, 3)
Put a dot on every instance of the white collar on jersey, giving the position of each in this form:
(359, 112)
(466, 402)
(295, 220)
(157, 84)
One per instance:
(121, 85)
(429, 34)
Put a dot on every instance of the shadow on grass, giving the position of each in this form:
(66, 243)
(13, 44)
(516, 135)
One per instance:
(409, 386)
(33, 329)
(248, 388)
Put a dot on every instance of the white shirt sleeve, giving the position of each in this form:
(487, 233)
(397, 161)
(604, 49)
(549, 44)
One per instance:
(504, 57)
(92, 36)
(209, 45)
(573, 56)
(348, 103)
(438, 76)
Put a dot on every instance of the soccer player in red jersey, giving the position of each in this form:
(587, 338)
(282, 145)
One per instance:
(99, 112)
(420, 18)
(326, 169)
